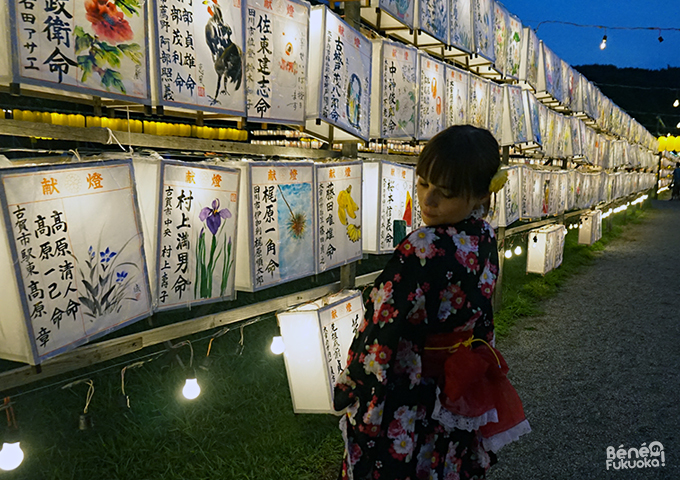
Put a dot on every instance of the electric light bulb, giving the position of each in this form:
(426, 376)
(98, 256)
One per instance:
(603, 45)
(11, 456)
(278, 346)
(191, 389)
(676, 103)
(518, 250)
(508, 254)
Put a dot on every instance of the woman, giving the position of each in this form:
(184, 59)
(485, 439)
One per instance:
(432, 299)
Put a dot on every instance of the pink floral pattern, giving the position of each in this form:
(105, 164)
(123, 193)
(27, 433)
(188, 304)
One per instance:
(439, 280)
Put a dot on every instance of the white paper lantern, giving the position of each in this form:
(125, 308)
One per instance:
(590, 228)
(549, 79)
(339, 81)
(276, 223)
(478, 103)
(388, 202)
(339, 218)
(75, 266)
(497, 110)
(505, 205)
(432, 84)
(528, 71)
(516, 119)
(501, 29)
(461, 33)
(317, 336)
(59, 47)
(277, 44)
(395, 87)
(456, 98)
(483, 28)
(546, 248)
(433, 19)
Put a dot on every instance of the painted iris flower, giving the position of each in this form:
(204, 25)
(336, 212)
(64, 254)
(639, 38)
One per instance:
(213, 216)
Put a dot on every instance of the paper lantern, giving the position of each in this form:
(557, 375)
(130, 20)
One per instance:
(478, 102)
(395, 16)
(339, 213)
(514, 50)
(532, 191)
(670, 143)
(51, 48)
(571, 189)
(456, 98)
(516, 119)
(497, 110)
(590, 228)
(388, 205)
(432, 82)
(461, 31)
(546, 248)
(276, 223)
(528, 71)
(74, 266)
(549, 76)
(483, 28)
(501, 30)
(395, 87)
(433, 19)
(196, 212)
(317, 337)
(277, 45)
(505, 204)
(339, 81)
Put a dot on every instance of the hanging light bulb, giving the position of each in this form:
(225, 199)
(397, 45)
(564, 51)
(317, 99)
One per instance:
(676, 103)
(678, 125)
(277, 346)
(191, 389)
(518, 250)
(11, 456)
(603, 44)
(508, 253)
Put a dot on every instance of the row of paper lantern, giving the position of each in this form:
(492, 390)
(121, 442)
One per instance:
(532, 193)
(669, 144)
(286, 82)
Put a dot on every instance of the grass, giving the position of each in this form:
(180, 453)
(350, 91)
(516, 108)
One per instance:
(242, 427)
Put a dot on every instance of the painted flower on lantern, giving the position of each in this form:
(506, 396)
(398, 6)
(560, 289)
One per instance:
(106, 256)
(213, 216)
(107, 21)
(120, 276)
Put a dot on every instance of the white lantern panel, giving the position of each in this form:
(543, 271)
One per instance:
(546, 249)
(434, 18)
(277, 224)
(478, 105)
(529, 60)
(402, 10)
(457, 88)
(339, 85)
(338, 190)
(277, 42)
(317, 337)
(550, 76)
(496, 110)
(511, 195)
(461, 32)
(516, 121)
(196, 250)
(79, 264)
(531, 106)
(501, 28)
(395, 77)
(431, 112)
(388, 190)
(514, 50)
(483, 28)
(590, 228)
(199, 55)
(82, 47)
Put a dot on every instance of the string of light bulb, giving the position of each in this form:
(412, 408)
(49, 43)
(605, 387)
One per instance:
(603, 43)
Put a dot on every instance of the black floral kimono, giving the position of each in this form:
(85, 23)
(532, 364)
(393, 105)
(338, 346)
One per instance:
(439, 280)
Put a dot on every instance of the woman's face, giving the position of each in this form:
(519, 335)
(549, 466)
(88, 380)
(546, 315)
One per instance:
(439, 206)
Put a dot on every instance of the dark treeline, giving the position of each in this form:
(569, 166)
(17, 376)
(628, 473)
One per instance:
(650, 105)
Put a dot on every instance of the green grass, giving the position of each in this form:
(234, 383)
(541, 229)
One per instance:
(242, 427)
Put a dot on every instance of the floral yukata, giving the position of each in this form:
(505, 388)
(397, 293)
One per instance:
(439, 280)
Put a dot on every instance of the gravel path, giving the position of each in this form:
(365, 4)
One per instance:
(601, 367)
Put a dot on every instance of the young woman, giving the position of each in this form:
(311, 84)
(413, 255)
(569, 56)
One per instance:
(424, 391)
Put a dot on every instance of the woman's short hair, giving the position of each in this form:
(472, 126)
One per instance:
(462, 159)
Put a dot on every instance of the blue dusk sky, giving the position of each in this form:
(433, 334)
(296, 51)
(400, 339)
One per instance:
(625, 48)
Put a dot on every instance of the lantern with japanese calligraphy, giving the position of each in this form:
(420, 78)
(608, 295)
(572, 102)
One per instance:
(81, 47)
(501, 27)
(528, 70)
(387, 204)
(531, 193)
(339, 213)
(433, 19)
(317, 337)
(516, 121)
(549, 75)
(478, 103)
(590, 228)
(504, 209)
(277, 45)
(497, 110)
(431, 114)
(339, 81)
(461, 31)
(483, 28)
(571, 185)
(546, 248)
(79, 265)
(276, 223)
(456, 98)
(395, 87)
(514, 49)
(5, 50)
(195, 251)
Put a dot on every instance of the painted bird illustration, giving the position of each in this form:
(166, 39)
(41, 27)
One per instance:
(226, 55)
